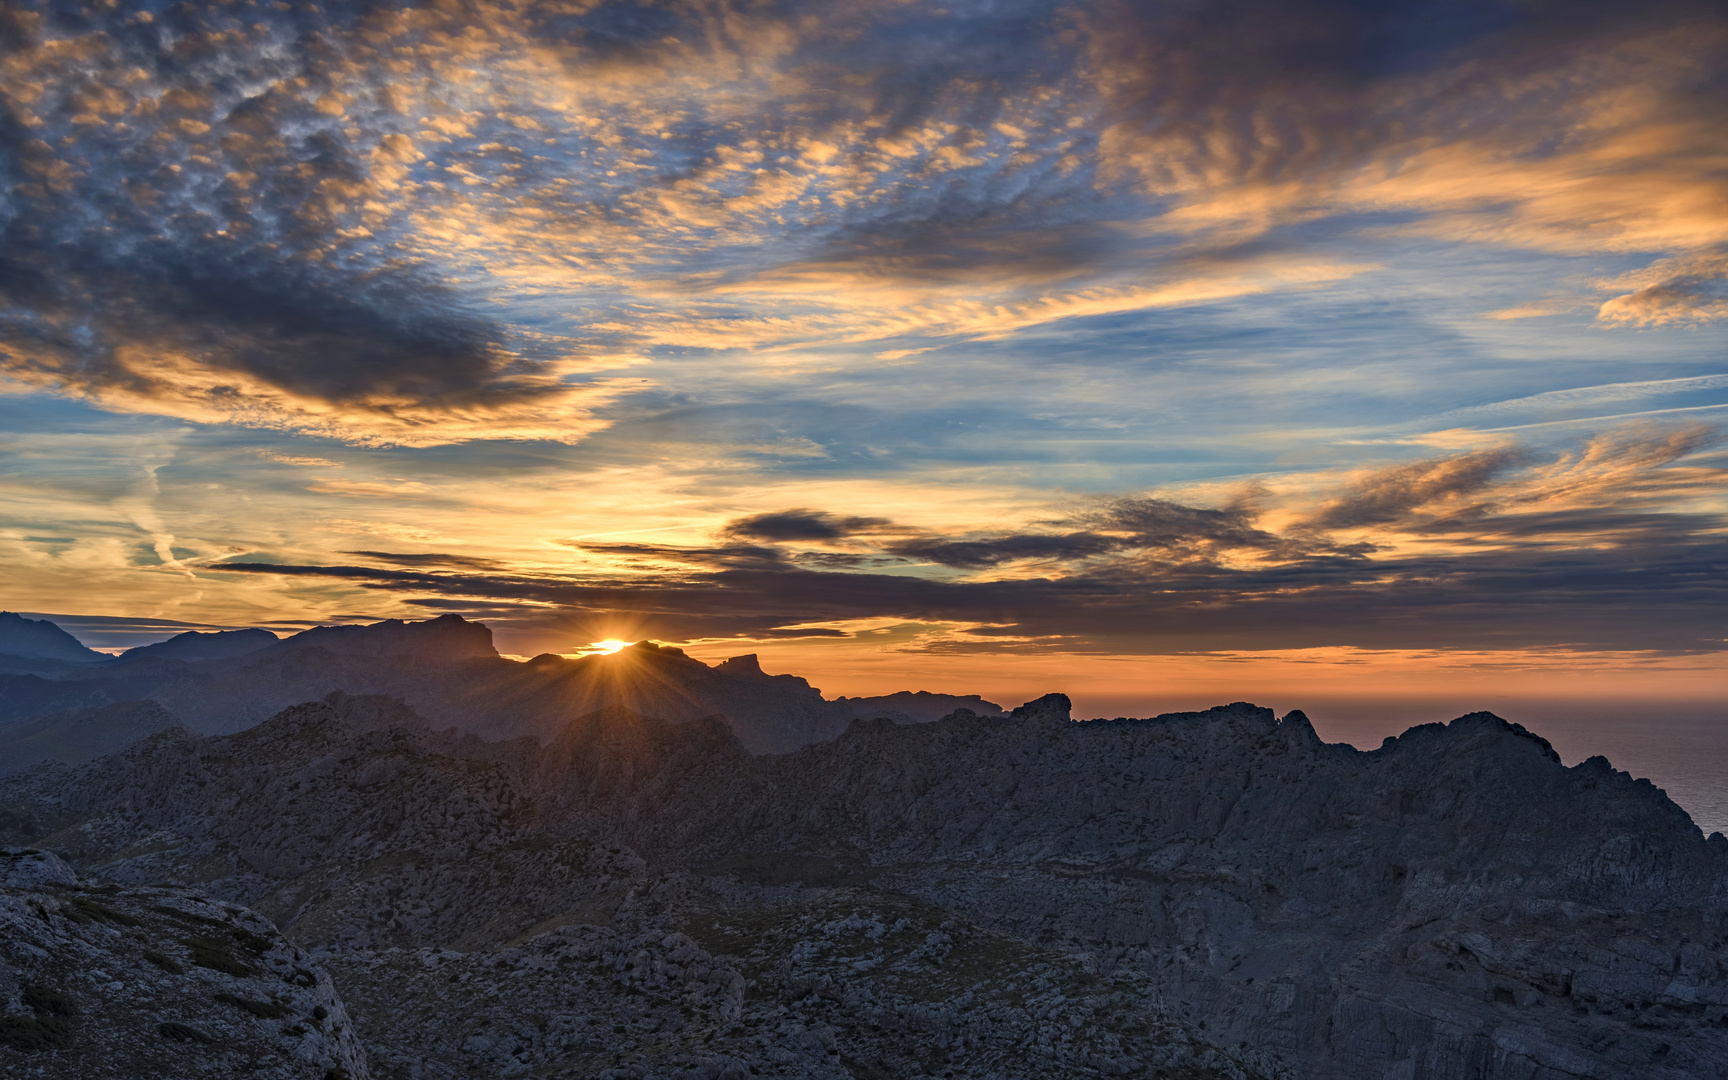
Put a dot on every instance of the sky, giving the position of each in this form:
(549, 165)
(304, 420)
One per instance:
(1163, 353)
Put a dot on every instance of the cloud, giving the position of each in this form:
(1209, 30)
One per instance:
(1510, 548)
(978, 554)
(800, 525)
(430, 558)
(1671, 292)
(442, 224)
(1570, 128)
(368, 488)
(190, 231)
(301, 460)
(1450, 486)
(904, 277)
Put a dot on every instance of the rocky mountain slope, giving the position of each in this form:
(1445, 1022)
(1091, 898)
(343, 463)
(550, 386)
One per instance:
(104, 981)
(1015, 896)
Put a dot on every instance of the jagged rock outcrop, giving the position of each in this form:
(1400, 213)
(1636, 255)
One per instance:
(103, 982)
(1455, 903)
(770, 713)
(1433, 905)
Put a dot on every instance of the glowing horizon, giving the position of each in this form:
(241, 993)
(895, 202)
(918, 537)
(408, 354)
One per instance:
(1377, 355)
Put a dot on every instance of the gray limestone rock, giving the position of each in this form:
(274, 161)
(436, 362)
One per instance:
(27, 868)
(100, 982)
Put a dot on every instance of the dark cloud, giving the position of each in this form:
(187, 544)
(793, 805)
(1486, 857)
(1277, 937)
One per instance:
(1571, 557)
(800, 525)
(1156, 527)
(977, 554)
(305, 328)
(186, 226)
(430, 558)
(1391, 494)
(1659, 595)
(1310, 72)
(729, 555)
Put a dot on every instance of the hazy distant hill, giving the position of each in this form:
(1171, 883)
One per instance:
(41, 639)
(28, 695)
(917, 706)
(197, 645)
(79, 735)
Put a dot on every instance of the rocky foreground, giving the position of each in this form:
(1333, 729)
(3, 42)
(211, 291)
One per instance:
(106, 981)
(1206, 894)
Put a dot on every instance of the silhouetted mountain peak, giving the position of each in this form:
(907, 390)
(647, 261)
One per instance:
(447, 637)
(1048, 707)
(198, 645)
(41, 639)
(918, 706)
(748, 664)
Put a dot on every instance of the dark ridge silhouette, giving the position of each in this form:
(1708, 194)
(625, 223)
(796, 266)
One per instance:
(199, 645)
(39, 639)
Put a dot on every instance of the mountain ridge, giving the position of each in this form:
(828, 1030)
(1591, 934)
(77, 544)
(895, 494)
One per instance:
(204, 645)
(1322, 910)
(448, 669)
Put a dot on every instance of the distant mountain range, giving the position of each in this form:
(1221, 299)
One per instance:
(446, 668)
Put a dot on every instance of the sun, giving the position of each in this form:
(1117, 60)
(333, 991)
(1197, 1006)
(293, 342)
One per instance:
(609, 646)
